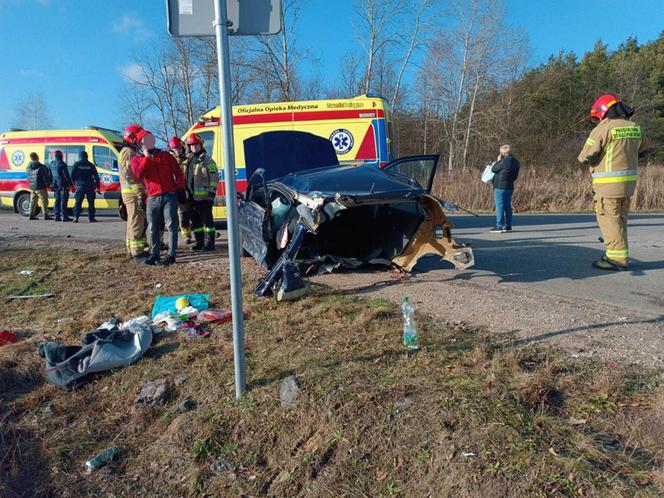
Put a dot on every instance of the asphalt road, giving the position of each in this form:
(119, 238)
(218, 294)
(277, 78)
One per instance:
(551, 253)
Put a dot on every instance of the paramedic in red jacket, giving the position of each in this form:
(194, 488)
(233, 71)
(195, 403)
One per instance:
(163, 178)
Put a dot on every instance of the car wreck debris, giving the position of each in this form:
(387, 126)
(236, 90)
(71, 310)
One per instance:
(304, 213)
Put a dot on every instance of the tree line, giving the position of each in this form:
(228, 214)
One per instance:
(455, 73)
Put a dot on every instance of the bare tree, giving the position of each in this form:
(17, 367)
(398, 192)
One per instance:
(32, 113)
(413, 44)
(376, 31)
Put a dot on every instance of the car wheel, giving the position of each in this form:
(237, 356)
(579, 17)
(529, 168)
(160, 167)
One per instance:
(23, 204)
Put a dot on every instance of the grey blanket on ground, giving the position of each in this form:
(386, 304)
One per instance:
(70, 366)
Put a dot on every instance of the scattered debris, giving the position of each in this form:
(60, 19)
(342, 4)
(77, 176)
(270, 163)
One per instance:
(26, 273)
(153, 393)
(403, 404)
(185, 405)
(7, 337)
(214, 315)
(103, 349)
(49, 409)
(64, 320)
(180, 379)
(158, 286)
(167, 303)
(468, 454)
(577, 421)
(223, 467)
(110, 453)
(31, 296)
(21, 294)
(289, 391)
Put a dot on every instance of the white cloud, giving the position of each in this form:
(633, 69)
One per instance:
(131, 26)
(133, 73)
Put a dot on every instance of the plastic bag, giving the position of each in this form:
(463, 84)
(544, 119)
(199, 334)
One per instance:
(214, 315)
(487, 175)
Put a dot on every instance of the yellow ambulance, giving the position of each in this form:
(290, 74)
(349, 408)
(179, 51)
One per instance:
(359, 129)
(101, 144)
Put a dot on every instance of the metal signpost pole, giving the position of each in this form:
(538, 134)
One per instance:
(226, 122)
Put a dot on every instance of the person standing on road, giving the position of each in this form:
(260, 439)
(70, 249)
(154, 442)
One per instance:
(39, 178)
(60, 186)
(85, 177)
(162, 177)
(612, 152)
(133, 196)
(180, 154)
(202, 181)
(506, 170)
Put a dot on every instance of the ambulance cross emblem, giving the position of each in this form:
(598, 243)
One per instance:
(342, 140)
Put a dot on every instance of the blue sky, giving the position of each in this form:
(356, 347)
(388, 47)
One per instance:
(74, 52)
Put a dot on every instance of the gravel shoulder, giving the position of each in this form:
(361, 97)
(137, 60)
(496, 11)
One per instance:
(581, 327)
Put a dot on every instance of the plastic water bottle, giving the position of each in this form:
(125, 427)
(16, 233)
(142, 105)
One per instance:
(409, 330)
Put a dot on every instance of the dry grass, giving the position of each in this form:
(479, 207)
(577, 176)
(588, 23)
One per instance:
(481, 419)
(547, 191)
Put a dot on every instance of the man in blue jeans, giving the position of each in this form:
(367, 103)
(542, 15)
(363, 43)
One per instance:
(506, 170)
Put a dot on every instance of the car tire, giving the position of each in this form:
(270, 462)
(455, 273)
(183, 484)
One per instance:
(23, 204)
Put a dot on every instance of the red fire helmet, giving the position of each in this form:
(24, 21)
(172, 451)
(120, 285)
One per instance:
(174, 142)
(601, 106)
(194, 138)
(130, 133)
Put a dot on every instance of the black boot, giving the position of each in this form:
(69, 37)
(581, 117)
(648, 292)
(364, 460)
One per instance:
(198, 245)
(209, 241)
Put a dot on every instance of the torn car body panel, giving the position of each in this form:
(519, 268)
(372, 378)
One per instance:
(319, 219)
(434, 236)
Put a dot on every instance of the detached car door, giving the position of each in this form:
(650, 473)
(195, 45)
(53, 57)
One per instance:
(254, 221)
(421, 169)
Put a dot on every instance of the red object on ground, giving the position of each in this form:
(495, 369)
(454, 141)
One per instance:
(7, 337)
(214, 315)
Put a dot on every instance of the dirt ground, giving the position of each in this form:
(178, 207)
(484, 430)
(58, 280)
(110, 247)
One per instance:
(515, 316)
(463, 416)
(581, 327)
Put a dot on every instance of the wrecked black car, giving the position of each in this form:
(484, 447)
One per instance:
(302, 212)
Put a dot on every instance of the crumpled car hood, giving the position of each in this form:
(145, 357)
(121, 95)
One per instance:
(360, 183)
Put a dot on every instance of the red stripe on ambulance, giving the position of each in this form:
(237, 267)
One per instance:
(54, 140)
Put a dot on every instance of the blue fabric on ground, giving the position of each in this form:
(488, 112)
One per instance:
(167, 303)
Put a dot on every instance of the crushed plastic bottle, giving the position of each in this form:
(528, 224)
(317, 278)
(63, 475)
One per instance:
(409, 329)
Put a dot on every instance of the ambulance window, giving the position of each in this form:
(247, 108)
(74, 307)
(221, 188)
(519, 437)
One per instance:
(104, 158)
(69, 153)
(208, 138)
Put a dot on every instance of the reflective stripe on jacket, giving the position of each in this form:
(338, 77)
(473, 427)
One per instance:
(612, 151)
(202, 177)
(129, 185)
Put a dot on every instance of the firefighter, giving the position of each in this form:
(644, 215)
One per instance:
(612, 152)
(202, 180)
(133, 196)
(180, 154)
(85, 177)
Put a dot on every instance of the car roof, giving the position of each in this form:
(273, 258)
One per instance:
(353, 181)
